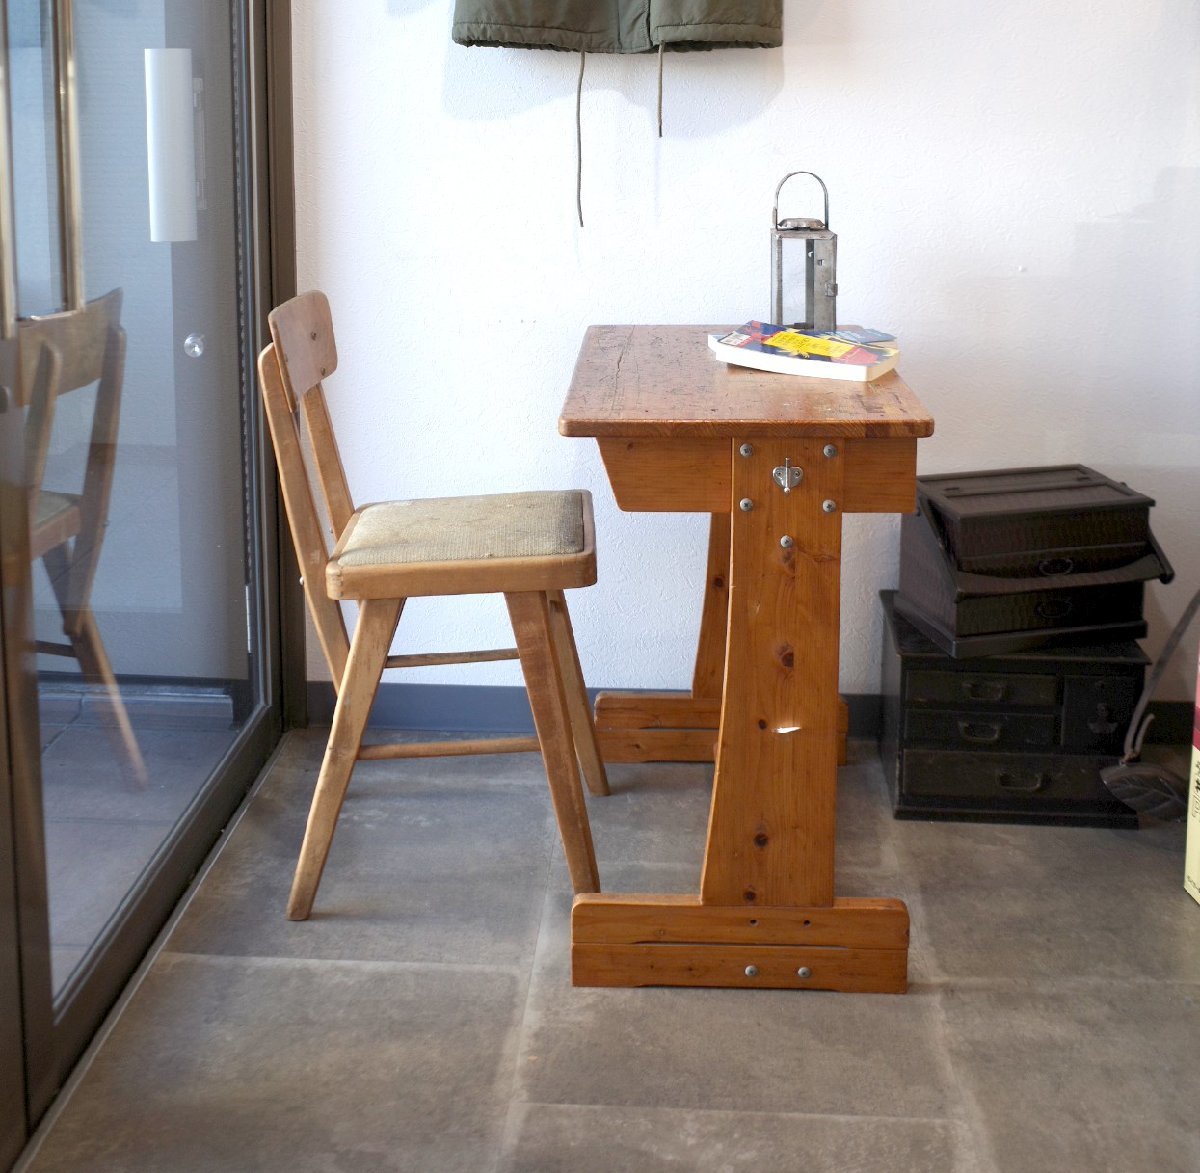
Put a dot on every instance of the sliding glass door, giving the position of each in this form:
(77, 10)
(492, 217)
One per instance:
(136, 538)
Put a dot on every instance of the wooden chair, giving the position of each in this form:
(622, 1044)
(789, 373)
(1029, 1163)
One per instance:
(62, 353)
(527, 546)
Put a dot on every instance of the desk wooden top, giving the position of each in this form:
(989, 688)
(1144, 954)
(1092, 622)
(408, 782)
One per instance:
(663, 381)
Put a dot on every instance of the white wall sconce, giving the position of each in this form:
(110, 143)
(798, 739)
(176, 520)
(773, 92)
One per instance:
(171, 144)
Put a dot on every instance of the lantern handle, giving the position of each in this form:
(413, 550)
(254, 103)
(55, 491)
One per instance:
(824, 189)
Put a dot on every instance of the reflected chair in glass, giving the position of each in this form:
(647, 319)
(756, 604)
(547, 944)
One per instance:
(63, 353)
(529, 547)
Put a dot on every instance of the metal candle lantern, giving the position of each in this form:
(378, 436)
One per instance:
(820, 265)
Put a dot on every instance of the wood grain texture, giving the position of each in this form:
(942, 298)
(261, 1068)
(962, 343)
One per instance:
(657, 726)
(377, 620)
(530, 615)
(429, 659)
(631, 918)
(304, 521)
(662, 381)
(770, 967)
(771, 828)
(708, 675)
(880, 476)
(692, 474)
(657, 710)
(583, 729)
(335, 490)
(667, 476)
(302, 330)
(657, 745)
(400, 750)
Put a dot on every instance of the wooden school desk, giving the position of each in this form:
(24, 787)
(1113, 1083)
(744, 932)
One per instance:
(679, 430)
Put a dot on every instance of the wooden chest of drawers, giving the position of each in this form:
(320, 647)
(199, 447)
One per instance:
(1014, 738)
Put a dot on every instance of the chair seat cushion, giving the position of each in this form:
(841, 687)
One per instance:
(51, 505)
(461, 529)
(56, 519)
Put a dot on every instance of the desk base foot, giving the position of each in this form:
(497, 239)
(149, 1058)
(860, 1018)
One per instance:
(669, 727)
(855, 945)
(656, 726)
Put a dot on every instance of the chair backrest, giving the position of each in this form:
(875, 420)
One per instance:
(61, 353)
(311, 477)
(89, 340)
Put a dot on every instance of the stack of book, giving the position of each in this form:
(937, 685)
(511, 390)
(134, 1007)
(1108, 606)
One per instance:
(849, 353)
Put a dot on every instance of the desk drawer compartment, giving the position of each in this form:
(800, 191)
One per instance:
(1038, 610)
(1006, 780)
(1097, 710)
(968, 688)
(1055, 564)
(981, 730)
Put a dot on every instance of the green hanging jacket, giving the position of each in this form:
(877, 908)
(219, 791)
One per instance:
(619, 26)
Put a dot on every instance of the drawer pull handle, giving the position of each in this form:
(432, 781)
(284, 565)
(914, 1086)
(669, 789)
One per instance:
(1053, 608)
(980, 732)
(1052, 567)
(1006, 781)
(1102, 725)
(985, 690)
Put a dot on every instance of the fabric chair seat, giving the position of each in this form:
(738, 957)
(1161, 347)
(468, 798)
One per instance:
(462, 545)
(460, 529)
(50, 506)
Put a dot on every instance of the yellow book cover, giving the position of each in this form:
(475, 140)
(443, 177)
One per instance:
(1191, 866)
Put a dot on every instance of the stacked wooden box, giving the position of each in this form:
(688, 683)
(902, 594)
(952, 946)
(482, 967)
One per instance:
(1010, 671)
(1009, 559)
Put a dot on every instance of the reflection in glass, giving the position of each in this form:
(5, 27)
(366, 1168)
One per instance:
(134, 452)
(63, 353)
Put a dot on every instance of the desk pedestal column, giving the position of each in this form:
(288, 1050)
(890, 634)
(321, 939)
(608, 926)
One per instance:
(682, 727)
(766, 914)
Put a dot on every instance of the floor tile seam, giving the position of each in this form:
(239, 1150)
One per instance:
(132, 987)
(267, 961)
(154, 724)
(971, 1113)
(745, 1113)
(1050, 983)
(96, 820)
(914, 901)
(510, 1127)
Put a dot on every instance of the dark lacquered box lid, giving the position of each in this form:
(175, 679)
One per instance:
(1061, 488)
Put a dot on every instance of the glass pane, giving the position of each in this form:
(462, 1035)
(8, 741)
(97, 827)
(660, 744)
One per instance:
(34, 135)
(138, 534)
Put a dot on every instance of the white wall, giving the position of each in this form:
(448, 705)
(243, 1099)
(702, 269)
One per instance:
(1016, 190)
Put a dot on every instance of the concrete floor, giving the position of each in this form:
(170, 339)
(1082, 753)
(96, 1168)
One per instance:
(423, 1019)
(102, 828)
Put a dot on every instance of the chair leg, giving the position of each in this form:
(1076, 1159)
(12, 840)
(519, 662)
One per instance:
(530, 614)
(79, 626)
(377, 619)
(583, 728)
